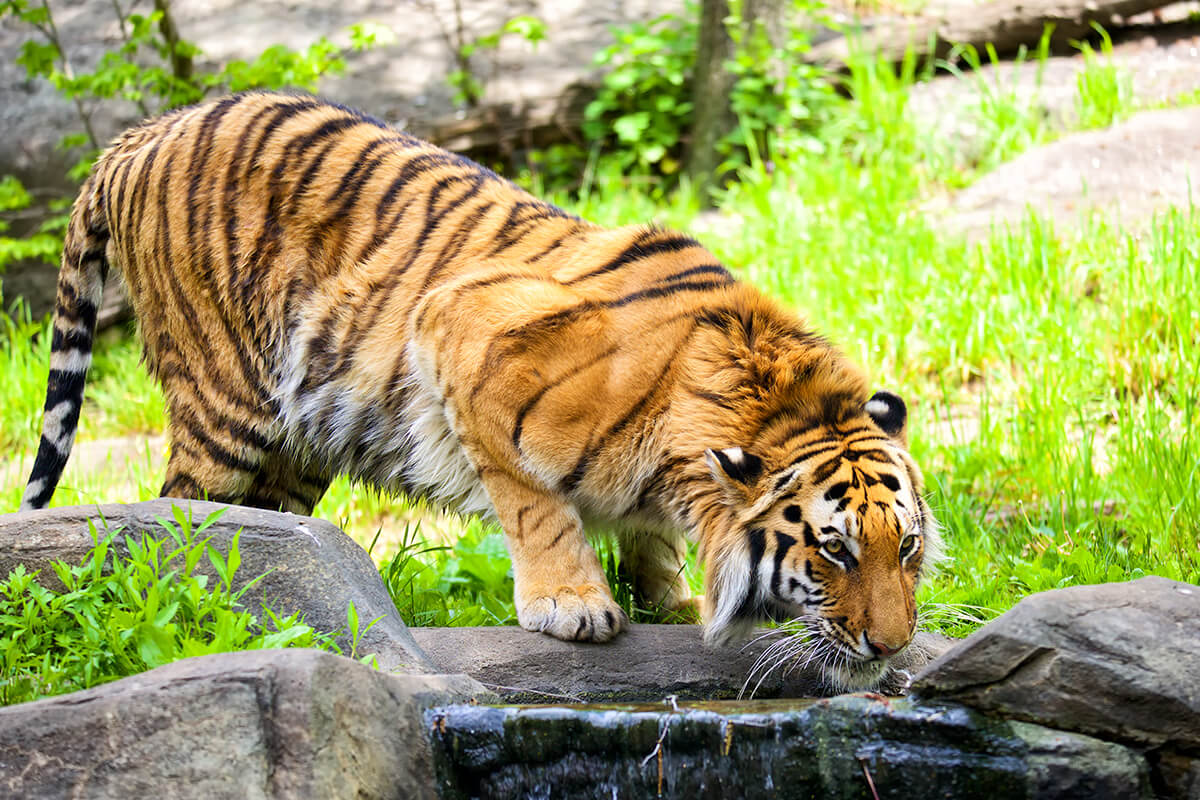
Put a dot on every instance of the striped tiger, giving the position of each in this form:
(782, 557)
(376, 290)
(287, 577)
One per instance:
(319, 294)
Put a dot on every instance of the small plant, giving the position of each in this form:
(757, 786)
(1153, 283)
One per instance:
(124, 610)
(1105, 90)
(466, 583)
(466, 81)
(466, 78)
(45, 241)
(1010, 120)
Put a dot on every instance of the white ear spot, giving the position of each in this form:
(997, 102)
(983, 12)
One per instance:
(877, 408)
(735, 455)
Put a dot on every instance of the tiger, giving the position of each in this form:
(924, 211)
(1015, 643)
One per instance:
(319, 294)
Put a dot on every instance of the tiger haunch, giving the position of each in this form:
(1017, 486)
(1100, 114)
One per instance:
(319, 294)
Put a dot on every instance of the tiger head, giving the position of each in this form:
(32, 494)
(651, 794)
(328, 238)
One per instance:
(827, 529)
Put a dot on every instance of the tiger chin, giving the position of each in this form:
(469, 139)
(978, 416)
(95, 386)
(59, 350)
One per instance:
(319, 294)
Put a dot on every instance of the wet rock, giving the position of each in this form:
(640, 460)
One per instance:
(265, 724)
(1118, 660)
(645, 663)
(310, 566)
(847, 747)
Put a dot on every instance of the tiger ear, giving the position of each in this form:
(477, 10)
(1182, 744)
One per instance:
(890, 414)
(736, 471)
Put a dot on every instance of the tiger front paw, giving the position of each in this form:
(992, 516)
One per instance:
(582, 613)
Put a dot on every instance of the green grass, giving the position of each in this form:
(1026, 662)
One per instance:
(1052, 373)
(131, 604)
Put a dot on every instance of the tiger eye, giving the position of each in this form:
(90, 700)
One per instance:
(834, 546)
(792, 514)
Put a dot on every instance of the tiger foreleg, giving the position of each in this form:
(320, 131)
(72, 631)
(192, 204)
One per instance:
(560, 586)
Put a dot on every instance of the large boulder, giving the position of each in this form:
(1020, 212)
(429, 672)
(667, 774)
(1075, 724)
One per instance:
(263, 724)
(309, 565)
(1120, 661)
(1130, 171)
(645, 663)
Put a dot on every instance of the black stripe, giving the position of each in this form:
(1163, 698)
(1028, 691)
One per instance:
(827, 470)
(517, 225)
(715, 399)
(529, 404)
(199, 433)
(703, 269)
(64, 385)
(637, 251)
(557, 243)
(837, 490)
(810, 538)
(783, 543)
(81, 312)
(664, 291)
(758, 547)
(656, 385)
(554, 542)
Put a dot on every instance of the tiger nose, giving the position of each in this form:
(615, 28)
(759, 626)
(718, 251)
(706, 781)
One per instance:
(882, 649)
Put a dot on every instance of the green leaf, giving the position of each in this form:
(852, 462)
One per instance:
(630, 127)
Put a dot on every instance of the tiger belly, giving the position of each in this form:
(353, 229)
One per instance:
(394, 437)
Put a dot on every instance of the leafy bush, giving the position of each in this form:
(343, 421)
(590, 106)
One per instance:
(470, 582)
(467, 583)
(120, 614)
(644, 107)
(643, 111)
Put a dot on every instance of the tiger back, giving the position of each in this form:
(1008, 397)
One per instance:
(319, 294)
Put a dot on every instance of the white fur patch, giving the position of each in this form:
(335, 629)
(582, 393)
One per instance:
(414, 450)
(877, 408)
(53, 427)
(72, 360)
(32, 490)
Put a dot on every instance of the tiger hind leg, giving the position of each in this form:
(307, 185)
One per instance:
(284, 484)
(204, 468)
(207, 463)
(653, 562)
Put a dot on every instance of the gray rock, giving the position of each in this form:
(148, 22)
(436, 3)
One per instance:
(1117, 660)
(265, 724)
(848, 747)
(645, 663)
(1130, 171)
(311, 567)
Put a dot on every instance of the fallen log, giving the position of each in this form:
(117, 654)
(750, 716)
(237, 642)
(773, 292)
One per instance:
(1007, 25)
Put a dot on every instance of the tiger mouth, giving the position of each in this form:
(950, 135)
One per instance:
(851, 670)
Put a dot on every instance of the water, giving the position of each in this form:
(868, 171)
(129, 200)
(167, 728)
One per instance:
(854, 746)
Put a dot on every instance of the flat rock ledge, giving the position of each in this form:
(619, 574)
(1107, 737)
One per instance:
(646, 663)
(1082, 692)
